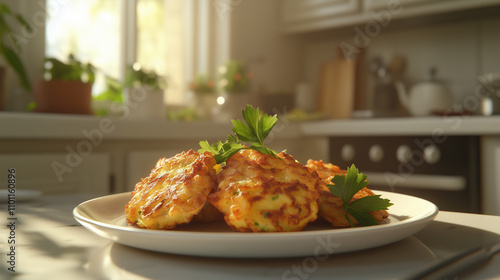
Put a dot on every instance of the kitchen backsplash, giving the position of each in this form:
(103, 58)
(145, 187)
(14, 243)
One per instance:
(461, 51)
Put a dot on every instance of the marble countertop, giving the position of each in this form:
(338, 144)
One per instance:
(50, 244)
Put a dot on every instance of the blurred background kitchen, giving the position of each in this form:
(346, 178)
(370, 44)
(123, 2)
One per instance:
(406, 90)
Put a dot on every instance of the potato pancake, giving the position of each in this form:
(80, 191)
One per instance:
(259, 192)
(331, 206)
(174, 192)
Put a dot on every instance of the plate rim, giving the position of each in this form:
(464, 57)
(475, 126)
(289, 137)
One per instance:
(421, 218)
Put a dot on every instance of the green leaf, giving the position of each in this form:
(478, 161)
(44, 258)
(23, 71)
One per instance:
(17, 65)
(251, 117)
(5, 9)
(243, 131)
(24, 23)
(263, 149)
(233, 138)
(227, 153)
(266, 124)
(363, 218)
(346, 186)
(370, 203)
(206, 147)
(254, 131)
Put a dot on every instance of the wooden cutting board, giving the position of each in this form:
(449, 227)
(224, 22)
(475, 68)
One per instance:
(337, 87)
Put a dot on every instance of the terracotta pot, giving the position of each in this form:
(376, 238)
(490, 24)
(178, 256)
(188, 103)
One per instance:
(64, 97)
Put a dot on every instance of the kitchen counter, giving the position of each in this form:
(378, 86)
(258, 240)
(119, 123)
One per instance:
(50, 244)
(58, 126)
(52, 126)
(450, 125)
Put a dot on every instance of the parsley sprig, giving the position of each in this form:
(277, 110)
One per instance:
(346, 186)
(254, 131)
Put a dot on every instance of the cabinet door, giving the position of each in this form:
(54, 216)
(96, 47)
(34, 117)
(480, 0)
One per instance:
(381, 4)
(300, 14)
(58, 173)
(426, 7)
(300, 10)
(490, 175)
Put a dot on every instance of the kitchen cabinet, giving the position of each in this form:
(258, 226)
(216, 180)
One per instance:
(313, 15)
(316, 14)
(76, 171)
(426, 7)
(490, 166)
(296, 11)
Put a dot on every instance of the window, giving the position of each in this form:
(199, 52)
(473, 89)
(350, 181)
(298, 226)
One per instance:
(94, 36)
(112, 34)
(164, 54)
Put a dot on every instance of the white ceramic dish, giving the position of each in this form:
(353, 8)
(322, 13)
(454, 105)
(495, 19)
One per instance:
(105, 217)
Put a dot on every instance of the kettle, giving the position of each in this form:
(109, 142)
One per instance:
(425, 98)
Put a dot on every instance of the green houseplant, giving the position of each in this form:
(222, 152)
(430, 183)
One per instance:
(66, 88)
(202, 96)
(234, 82)
(202, 84)
(109, 101)
(144, 93)
(137, 76)
(9, 49)
(234, 77)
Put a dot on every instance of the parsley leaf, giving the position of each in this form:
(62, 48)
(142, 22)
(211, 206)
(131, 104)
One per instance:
(254, 130)
(346, 186)
(214, 148)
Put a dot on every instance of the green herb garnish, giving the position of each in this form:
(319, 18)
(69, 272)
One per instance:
(254, 131)
(346, 186)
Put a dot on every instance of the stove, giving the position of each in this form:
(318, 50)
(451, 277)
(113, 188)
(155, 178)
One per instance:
(439, 168)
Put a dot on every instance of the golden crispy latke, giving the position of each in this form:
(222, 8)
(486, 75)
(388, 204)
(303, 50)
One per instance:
(174, 192)
(259, 192)
(331, 206)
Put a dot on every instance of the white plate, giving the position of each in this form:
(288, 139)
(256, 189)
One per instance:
(20, 195)
(105, 217)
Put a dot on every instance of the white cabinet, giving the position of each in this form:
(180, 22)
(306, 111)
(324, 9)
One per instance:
(58, 172)
(425, 7)
(314, 10)
(299, 15)
(383, 4)
(490, 174)
(312, 15)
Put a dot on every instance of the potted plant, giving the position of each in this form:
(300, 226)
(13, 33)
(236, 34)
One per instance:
(9, 49)
(66, 88)
(110, 101)
(203, 96)
(234, 77)
(234, 82)
(144, 90)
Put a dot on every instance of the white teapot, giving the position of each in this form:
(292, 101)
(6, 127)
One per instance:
(425, 98)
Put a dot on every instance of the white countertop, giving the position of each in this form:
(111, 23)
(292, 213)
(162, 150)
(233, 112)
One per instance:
(61, 126)
(52, 126)
(451, 125)
(50, 244)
